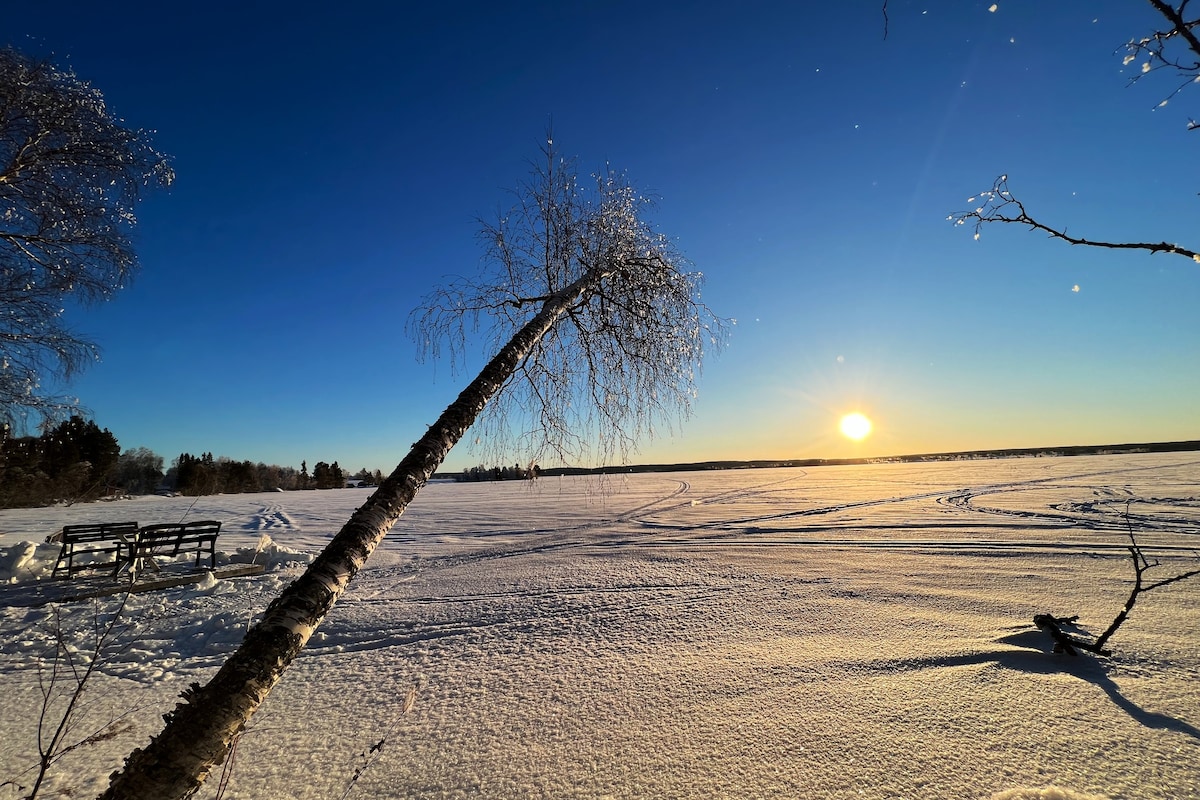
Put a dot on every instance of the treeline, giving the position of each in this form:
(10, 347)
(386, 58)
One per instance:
(513, 473)
(74, 461)
(197, 475)
(78, 461)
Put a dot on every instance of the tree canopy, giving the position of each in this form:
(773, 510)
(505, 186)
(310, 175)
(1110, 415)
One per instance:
(74, 461)
(71, 174)
(625, 356)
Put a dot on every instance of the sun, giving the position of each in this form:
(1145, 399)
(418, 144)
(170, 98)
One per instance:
(855, 426)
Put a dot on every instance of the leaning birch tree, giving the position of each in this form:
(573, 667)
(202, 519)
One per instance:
(601, 333)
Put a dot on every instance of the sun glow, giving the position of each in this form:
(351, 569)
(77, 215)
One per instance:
(855, 426)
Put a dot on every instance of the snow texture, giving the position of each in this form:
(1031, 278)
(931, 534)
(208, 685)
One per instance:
(842, 632)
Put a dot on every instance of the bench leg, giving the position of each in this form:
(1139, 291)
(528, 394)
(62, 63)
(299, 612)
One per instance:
(64, 556)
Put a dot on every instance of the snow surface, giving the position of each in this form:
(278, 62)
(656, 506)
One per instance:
(842, 632)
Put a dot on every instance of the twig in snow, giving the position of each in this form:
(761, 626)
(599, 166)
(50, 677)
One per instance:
(372, 754)
(1141, 565)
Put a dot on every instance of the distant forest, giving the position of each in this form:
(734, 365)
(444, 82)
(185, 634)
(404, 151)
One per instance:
(77, 461)
(968, 455)
(482, 473)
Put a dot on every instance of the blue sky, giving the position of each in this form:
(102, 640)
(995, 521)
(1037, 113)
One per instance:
(333, 159)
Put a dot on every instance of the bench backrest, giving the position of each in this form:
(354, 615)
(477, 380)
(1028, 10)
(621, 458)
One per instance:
(98, 532)
(205, 527)
(171, 533)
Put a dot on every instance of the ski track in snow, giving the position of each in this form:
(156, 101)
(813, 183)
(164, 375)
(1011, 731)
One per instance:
(828, 633)
(271, 519)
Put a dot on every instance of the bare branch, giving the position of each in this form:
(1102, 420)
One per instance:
(999, 205)
(1157, 51)
(1181, 28)
(1175, 48)
(75, 668)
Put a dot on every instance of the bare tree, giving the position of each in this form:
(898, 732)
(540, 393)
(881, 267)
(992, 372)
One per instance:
(1174, 48)
(590, 304)
(625, 356)
(70, 177)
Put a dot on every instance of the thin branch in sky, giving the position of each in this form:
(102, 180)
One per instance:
(999, 205)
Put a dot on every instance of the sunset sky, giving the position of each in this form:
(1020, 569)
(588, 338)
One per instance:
(333, 159)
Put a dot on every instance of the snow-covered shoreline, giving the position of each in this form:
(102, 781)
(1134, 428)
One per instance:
(833, 633)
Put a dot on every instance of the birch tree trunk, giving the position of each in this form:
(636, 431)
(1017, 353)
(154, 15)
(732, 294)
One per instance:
(200, 731)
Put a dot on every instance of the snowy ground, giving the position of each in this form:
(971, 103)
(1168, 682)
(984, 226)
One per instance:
(842, 632)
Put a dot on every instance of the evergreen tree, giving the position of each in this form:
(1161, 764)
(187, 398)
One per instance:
(76, 460)
(328, 476)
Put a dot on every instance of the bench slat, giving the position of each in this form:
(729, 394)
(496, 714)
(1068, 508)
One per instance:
(93, 538)
(170, 539)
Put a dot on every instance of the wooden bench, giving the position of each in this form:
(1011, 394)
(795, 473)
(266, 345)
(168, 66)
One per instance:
(170, 540)
(103, 538)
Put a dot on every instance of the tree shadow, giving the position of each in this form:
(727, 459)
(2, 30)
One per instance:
(40, 593)
(1036, 655)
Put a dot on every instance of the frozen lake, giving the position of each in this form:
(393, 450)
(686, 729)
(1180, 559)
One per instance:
(838, 632)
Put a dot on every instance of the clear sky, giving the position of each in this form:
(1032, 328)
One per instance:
(333, 159)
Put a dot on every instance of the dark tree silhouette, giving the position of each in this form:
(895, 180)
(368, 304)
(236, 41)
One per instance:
(73, 461)
(590, 304)
(70, 177)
